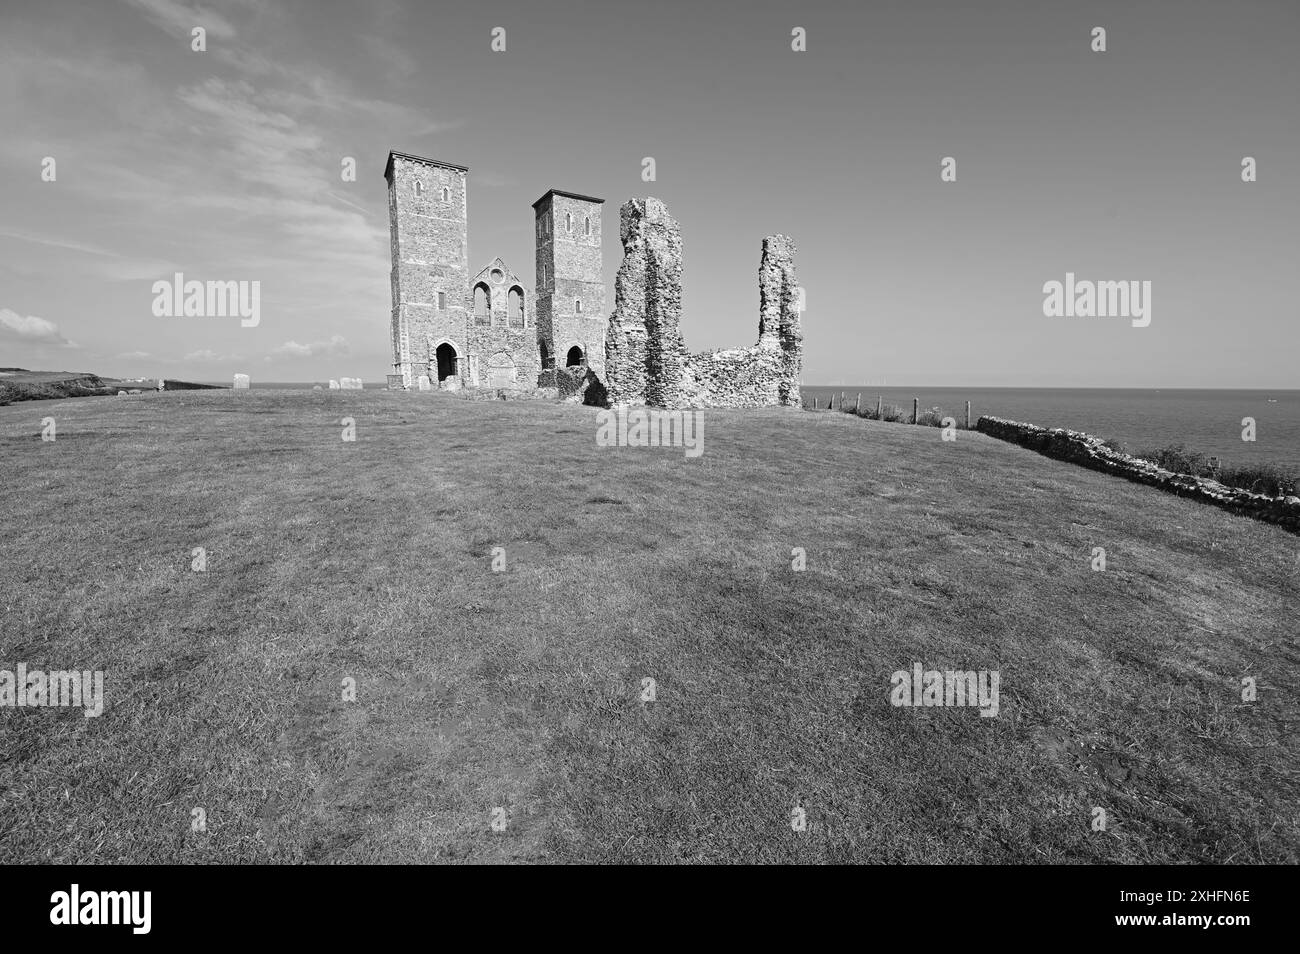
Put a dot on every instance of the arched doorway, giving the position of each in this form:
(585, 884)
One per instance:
(575, 357)
(446, 360)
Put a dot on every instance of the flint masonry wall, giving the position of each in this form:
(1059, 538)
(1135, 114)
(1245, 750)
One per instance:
(646, 361)
(1089, 451)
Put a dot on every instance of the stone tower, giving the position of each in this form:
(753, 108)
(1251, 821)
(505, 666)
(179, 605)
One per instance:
(570, 280)
(429, 227)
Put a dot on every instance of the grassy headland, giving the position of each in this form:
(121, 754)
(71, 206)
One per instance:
(521, 689)
(19, 384)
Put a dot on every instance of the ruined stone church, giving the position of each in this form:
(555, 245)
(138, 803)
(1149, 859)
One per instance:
(453, 330)
(485, 329)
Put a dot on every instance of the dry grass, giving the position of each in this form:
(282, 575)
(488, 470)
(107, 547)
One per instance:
(520, 689)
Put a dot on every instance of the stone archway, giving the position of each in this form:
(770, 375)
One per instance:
(447, 360)
(575, 357)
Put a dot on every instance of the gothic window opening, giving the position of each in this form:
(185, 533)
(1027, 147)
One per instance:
(515, 308)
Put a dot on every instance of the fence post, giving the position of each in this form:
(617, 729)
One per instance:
(857, 405)
(916, 403)
(968, 415)
(814, 404)
(878, 406)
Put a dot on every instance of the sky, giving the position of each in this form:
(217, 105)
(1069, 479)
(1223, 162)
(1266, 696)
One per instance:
(227, 165)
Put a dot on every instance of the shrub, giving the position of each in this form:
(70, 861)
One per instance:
(931, 417)
(1262, 479)
(1177, 458)
(1257, 478)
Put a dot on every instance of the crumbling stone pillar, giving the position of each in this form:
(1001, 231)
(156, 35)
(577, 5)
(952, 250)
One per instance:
(780, 306)
(625, 338)
(644, 355)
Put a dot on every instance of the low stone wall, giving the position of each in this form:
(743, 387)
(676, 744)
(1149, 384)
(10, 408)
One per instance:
(579, 384)
(1089, 451)
(737, 377)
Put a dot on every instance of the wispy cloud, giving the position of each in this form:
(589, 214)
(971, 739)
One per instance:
(223, 165)
(336, 346)
(55, 242)
(29, 328)
(179, 19)
(207, 356)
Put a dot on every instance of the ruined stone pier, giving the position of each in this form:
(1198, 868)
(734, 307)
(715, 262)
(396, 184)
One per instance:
(646, 361)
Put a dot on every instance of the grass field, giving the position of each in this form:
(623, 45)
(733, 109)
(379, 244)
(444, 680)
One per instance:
(521, 690)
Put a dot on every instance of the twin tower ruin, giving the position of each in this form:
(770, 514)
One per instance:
(453, 330)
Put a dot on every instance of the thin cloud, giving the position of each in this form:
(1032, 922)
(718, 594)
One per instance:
(207, 356)
(180, 19)
(29, 328)
(337, 347)
(55, 242)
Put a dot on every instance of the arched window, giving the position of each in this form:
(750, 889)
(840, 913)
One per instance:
(445, 194)
(577, 306)
(587, 226)
(568, 222)
(442, 301)
(575, 357)
(515, 308)
(419, 188)
(543, 282)
(482, 305)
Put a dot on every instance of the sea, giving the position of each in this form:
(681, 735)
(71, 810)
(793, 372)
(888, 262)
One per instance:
(1207, 421)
